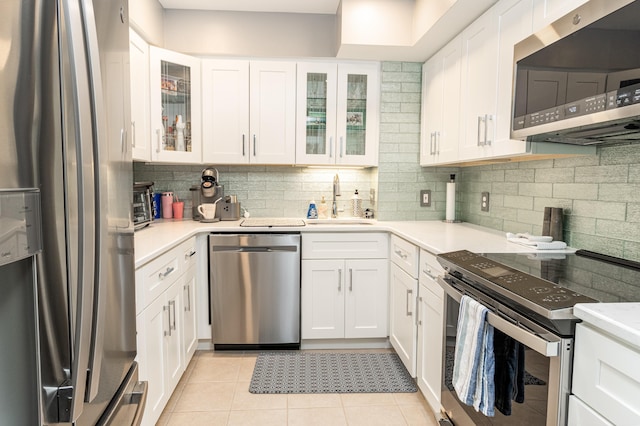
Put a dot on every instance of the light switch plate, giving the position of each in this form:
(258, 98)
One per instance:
(484, 202)
(425, 198)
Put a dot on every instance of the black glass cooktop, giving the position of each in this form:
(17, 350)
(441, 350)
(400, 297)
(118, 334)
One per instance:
(555, 281)
(602, 280)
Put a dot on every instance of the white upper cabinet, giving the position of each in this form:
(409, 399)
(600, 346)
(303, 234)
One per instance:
(272, 112)
(440, 133)
(467, 105)
(249, 112)
(225, 110)
(175, 107)
(546, 12)
(487, 80)
(338, 113)
(139, 88)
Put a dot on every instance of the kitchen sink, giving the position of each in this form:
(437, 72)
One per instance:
(341, 221)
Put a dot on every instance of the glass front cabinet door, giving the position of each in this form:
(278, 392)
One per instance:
(175, 107)
(338, 114)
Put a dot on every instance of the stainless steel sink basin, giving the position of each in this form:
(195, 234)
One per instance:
(341, 221)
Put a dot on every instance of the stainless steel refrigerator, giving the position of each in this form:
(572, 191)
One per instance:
(67, 306)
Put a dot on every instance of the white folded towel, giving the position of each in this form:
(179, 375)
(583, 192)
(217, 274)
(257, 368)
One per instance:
(474, 362)
(536, 241)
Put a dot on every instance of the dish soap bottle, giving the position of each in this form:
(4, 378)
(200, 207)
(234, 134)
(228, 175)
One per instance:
(312, 213)
(356, 205)
(323, 209)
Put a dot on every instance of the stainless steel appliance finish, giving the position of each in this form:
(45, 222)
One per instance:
(530, 298)
(142, 204)
(255, 290)
(578, 80)
(532, 320)
(64, 119)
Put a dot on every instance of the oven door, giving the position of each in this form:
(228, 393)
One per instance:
(547, 366)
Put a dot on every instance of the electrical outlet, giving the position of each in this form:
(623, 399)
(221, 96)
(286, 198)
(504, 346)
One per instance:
(484, 202)
(425, 198)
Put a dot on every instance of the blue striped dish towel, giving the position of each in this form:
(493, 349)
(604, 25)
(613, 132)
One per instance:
(474, 362)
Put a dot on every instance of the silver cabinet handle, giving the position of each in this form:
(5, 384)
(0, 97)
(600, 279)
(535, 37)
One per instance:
(123, 140)
(479, 123)
(330, 147)
(5, 254)
(189, 255)
(243, 151)
(254, 145)
(133, 132)
(350, 279)
(339, 279)
(158, 139)
(418, 320)
(172, 303)
(166, 308)
(163, 275)
(409, 293)
(487, 118)
(340, 146)
(432, 150)
(401, 254)
(187, 307)
(437, 143)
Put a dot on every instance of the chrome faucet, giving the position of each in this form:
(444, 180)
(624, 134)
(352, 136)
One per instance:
(336, 193)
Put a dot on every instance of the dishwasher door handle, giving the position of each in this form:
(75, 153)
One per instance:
(256, 249)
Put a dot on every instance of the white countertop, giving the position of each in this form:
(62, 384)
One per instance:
(433, 236)
(621, 320)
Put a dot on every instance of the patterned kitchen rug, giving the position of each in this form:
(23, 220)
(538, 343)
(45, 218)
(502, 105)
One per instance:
(320, 372)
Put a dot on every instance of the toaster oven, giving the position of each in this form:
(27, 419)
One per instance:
(142, 206)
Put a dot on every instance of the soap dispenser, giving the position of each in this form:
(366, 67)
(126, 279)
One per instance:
(323, 209)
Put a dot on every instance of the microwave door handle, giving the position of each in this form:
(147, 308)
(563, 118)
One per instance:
(537, 343)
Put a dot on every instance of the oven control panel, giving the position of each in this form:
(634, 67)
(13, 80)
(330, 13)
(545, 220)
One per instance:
(472, 266)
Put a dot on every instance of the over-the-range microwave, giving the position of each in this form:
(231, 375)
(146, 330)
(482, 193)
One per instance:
(578, 80)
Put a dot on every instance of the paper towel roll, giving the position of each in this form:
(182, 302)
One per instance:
(451, 202)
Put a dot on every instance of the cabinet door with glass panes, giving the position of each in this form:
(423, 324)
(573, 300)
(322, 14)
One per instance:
(358, 114)
(338, 108)
(175, 107)
(316, 112)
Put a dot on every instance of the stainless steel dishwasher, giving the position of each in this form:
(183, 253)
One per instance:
(255, 290)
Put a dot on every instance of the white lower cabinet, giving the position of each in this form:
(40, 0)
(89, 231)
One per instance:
(344, 299)
(343, 295)
(606, 380)
(403, 289)
(166, 325)
(430, 330)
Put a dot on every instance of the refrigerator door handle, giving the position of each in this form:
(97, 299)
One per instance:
(82, 315)
(94, 340)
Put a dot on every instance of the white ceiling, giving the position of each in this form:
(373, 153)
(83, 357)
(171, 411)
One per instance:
(283, 6)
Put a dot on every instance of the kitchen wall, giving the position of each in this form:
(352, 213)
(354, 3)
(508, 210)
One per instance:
(400, 177)
(600, 197)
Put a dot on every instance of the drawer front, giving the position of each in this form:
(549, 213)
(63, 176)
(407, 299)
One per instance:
(405, 255)
(188, 249)
(606, 376)
(429, 270)
(354, 245)
(153, 278)
(580, 414)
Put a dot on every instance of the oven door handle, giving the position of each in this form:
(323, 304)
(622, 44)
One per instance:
(546, 347)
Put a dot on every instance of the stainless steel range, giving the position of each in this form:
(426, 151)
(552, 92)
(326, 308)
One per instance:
(530, 300)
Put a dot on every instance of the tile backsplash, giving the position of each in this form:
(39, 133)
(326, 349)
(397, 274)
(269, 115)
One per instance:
(600, 194)
(266, 191)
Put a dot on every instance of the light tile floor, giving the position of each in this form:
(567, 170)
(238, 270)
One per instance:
(215, 391)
